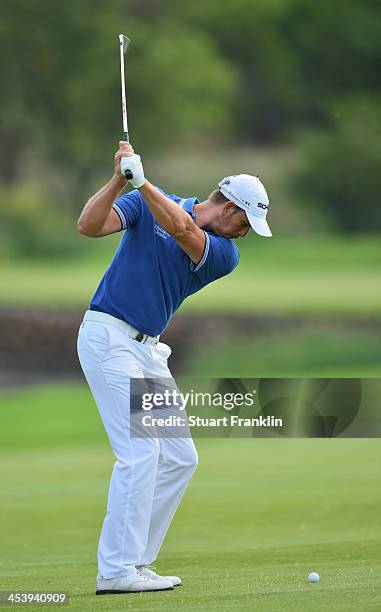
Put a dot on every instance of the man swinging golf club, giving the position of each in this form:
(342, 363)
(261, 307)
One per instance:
(171, 248)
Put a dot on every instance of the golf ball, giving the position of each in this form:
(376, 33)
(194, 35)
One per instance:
(313, 577)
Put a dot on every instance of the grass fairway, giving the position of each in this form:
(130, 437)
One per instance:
(309, 352)
(320, 275)
(258, 516)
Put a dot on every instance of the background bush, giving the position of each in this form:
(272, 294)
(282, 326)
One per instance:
(202, 78)
(341, 174)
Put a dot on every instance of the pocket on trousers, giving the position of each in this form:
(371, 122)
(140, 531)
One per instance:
(164, 349)
(94, 340)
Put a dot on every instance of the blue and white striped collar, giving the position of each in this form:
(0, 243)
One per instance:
(187, 205)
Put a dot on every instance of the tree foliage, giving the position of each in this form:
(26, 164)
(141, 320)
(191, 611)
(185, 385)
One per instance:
(225, 72)
(342, 177)
(60, 77)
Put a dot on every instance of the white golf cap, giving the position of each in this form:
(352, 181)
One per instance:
(248, 193)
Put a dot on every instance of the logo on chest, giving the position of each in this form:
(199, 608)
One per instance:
(160, 232)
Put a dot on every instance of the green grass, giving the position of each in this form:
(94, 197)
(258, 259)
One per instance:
(311, 275)
(258, 516)
(318, 351)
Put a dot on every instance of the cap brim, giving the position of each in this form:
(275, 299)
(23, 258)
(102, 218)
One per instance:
(260, 226)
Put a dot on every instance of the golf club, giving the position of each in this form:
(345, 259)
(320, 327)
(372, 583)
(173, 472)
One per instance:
(123, 46)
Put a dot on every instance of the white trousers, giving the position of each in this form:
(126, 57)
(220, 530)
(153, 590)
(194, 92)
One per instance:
(150, 474)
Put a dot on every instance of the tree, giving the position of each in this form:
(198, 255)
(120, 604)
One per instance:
(341, 175)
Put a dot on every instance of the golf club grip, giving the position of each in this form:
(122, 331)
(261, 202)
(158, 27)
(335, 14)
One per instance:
(128, 173)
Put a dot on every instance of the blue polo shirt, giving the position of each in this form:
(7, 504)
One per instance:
(150, 275)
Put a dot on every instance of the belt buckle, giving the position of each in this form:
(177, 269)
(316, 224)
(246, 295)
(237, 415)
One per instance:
(139, 337)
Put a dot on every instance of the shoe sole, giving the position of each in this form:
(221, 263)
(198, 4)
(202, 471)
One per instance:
(115, 592)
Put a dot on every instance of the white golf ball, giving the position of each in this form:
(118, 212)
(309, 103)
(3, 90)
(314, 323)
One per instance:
(313, 577)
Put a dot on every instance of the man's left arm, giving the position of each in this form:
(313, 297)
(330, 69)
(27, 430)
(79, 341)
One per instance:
(173, 219)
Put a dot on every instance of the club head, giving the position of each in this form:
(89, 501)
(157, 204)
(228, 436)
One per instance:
(125, 41)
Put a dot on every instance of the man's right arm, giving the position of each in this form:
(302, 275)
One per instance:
(98, 217)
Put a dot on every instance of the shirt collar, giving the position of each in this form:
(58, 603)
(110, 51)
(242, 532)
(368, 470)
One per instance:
(188, 204)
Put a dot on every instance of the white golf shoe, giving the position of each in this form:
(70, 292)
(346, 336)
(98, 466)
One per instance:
(147, 570)
(135, 582)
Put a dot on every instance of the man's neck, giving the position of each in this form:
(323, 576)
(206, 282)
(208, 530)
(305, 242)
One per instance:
(205, 213)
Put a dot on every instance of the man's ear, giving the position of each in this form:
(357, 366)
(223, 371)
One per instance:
(229, 206)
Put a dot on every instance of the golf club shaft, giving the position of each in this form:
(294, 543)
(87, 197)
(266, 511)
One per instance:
(128, 173)
(123, 88)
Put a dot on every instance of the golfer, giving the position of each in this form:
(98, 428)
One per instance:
(171, 248)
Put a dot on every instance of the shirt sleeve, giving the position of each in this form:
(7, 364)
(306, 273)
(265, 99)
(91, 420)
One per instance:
(128, 208)
(220, 257)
